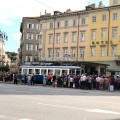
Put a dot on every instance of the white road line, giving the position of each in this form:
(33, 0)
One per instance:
(78, 108)
(103, 111)
(24, 119)
(2, 116)
(42, 99)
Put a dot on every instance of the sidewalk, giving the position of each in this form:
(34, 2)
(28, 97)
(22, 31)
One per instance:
(36, 84)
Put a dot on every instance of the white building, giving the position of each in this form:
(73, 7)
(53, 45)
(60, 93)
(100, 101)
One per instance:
(3, 37)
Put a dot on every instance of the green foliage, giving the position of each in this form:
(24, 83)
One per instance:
(12, 56)
(5, 68)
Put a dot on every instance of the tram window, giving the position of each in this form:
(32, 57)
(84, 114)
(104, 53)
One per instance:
(77, 71)
(50, 71)
(24, 71)
(37, 71)
(64, 72)
(57, 72)
(43, 71)
(30, 71)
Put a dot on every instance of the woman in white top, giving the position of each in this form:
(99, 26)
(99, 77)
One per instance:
(71, 81)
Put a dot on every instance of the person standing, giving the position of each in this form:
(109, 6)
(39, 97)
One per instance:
(33, 79)
(44, 80)
(15, 78)
(29, 80)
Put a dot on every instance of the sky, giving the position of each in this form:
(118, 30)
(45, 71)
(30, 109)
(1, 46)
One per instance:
(12, 12)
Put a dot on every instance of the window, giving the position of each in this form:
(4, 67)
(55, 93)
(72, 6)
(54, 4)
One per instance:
(103, 34)
(28, 58)
(57, 52)
(65, 37)
(115, 2)
(49, 52)
(93, 34)
(50, 39)
(113, 50)
(65, 52)
(37, 37)
(104, 17)
(83, 21)
(93, 19)
(29, 36)
(73, 52)
(57, 38)
(115, 15)
(40, 40)
(51, 25)
(114, 32)
(74, 23)
(66, 23)
(36, 47)
(29, 47)
(30, 26)
(40, 26)
(58, 24)
(82, 36)
(73, 36)
(92, 51)
(36, 58)
(103, 51)
(37, 26)
(82, 51)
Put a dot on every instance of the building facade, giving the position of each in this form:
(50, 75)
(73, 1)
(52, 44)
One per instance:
(84, 37)
(30, 29)
(3, 38)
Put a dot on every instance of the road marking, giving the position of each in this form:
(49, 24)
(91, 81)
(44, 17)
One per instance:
(2, 116)
(77, 108)
(61, 106)
(102, 111)
(25, 119)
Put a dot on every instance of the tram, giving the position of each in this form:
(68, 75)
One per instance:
(39, 71)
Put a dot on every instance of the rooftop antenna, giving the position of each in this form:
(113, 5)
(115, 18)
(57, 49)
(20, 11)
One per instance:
(45, 12)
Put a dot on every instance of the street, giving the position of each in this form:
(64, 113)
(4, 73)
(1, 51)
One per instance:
(22, 102)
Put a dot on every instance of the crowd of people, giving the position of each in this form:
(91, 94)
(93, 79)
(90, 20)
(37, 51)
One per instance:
(98, 82)
(84, 81)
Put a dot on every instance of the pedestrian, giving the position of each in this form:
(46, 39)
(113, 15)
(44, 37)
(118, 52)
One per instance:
(33, 79)
(15, 78)
(44, 80)
(29, 80)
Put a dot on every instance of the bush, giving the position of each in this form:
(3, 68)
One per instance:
(4, 68)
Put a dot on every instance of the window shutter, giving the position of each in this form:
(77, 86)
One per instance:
(27, 25)
(26, 46)
(32, 26)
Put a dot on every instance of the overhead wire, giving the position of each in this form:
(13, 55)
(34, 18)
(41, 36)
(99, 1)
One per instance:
(44, 4)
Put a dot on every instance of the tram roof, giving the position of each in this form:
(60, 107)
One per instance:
(67, 67)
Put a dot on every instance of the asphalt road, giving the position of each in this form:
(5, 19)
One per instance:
(22, 102)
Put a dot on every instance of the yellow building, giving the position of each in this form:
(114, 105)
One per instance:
(89, 38)
(86, 36)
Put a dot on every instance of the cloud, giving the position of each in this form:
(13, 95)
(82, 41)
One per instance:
(16, 36)
(24, 8)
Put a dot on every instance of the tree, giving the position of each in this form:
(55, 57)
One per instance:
(12, 56)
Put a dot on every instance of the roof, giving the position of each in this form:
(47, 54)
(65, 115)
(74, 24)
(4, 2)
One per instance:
(57, 67)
